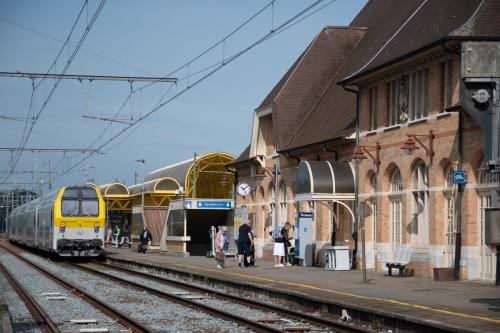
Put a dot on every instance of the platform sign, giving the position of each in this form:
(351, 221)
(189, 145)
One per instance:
(208, 204)
(459, 177)
(213, 204)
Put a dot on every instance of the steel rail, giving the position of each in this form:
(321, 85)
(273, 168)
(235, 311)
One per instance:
(122, 318)
(39, 315)
(292, 314)
(251, 324)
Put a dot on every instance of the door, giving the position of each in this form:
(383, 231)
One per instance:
(487, 264)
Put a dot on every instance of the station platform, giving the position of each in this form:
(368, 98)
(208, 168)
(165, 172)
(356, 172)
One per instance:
(460, 306)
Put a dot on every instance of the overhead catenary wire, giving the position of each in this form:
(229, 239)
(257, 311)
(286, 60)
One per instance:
(14, 160)
(185, 65)
(72, 45)
(26, 137)
(228, 60)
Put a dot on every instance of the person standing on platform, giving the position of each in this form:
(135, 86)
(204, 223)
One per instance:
(221, 246)
(109, 236)
(116, 235)
(145, 238)
(279, 248)
(245, 240)
(286, 242)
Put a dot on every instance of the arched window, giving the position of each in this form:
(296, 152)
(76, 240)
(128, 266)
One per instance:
(374, 186)
(449, 217)
(396, 208)
(487, 183)
(419, 226)
(272, 206)
(396, 181)
(448, 177)
(283, 203)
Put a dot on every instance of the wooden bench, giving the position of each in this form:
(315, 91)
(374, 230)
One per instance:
(402, 256)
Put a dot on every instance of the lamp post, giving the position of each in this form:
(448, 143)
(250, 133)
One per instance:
(359, 155)
(143, 161)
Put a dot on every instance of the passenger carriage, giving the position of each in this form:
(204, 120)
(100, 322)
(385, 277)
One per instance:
(70, 222)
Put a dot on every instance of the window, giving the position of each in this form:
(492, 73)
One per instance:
(394, 103)
(79, 201)
(373, 182)
(175, 223)
(70, 207)
(449, 207)
(418, 95)
(447, 83)
(283, 203)
(396, 181)
(396, 208)
(418, 228)
(408, 97)
(89, 208)
(396, 216)
(373, 105)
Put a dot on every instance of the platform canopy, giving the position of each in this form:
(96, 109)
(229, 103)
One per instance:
(116, 195)
(157, 191)
(324, 180)
(209, 173)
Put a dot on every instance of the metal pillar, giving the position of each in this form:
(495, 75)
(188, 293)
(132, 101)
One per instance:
(276, 191)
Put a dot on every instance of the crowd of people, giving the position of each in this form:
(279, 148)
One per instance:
(246, 249)
(281, 236)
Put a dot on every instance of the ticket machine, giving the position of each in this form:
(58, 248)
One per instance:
(304, 244)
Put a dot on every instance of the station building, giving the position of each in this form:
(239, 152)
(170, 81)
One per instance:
(406, 63)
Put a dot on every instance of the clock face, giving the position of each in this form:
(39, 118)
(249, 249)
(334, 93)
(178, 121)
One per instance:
(243, 189)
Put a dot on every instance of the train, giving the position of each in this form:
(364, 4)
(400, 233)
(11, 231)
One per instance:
(69, 222)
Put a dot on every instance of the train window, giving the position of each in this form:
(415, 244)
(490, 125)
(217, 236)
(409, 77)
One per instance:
(80, 201)
(70, 207)
(90, 207)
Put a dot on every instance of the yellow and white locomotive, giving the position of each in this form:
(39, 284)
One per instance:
(70, 222)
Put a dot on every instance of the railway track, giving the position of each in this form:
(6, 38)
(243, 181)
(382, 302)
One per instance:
(280, 314)
(47, 324)
(41, 318)
(252, 314)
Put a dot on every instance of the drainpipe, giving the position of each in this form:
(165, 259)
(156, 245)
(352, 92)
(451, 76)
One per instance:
(356, 185)
(458, 236)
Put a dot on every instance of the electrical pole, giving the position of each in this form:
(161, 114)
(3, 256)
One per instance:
(276, 191)
(195, 177)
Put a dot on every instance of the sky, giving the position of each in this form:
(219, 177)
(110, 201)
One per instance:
(141, 38)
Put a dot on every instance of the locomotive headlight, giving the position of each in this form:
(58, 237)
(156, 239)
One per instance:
(96, 227)
(62, 226)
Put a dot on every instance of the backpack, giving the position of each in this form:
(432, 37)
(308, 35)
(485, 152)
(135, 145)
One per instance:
(276, 232)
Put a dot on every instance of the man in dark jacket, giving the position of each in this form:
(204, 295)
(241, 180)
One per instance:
(145, 237)
(245, 240)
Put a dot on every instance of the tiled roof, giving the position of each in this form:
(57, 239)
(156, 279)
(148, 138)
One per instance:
(244, 157)
(299, 102)
(413, 25)
(268, 101)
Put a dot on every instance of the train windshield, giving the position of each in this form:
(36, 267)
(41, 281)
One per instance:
(80, 201)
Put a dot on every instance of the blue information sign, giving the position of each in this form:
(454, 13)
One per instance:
(213, 204)
(459, 177)
(305, 214)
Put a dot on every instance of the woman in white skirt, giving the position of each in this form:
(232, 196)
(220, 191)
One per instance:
(279, 249)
